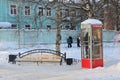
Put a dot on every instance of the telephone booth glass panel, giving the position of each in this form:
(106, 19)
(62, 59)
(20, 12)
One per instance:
(85, 42)
(97, 43)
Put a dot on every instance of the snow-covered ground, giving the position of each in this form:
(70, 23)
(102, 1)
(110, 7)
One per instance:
(52, 71)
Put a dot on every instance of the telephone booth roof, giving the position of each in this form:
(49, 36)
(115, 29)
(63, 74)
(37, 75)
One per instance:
(91, 21)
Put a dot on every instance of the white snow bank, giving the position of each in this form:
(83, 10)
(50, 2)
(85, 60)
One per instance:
(115, 67)
(110, 71)
(117, 38)
(8, 45)
(118, 66)
(91, 21)
(5, 24)
(4, 56)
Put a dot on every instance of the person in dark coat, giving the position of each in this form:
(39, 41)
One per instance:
(71, 39)
(78, 41)
(69, 42)
(86, 43)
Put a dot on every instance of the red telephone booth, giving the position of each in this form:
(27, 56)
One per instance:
(91, 43)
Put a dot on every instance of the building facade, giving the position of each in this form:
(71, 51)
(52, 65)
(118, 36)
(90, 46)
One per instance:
(25, 14)
(30, 14)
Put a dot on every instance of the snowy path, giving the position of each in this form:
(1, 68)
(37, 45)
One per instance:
(110, 71)
(56, 72)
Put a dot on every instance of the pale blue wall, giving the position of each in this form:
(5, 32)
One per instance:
(108, 35)
(33, 37)
(3, 10)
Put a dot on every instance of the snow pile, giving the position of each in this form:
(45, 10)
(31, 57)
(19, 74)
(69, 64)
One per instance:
(116, 51)
(110, 71)
(8, 45)
(117, 38)
(117, 66)
(4, 56)
(5, 24)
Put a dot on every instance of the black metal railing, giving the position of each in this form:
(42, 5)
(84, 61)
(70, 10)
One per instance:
(40, 51)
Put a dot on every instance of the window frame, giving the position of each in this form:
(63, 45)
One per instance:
(13, 9)
(48, 11)
(40, 11)
(73, 13)
(27, 12)
(16, 26)
(49, 27)
(27, 28)
(66, 13)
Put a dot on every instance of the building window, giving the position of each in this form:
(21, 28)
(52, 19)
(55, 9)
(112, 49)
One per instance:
(67, 27)
(27, 10)
(73, 13)
(40, 11)
(66, 12)
(48, 11)
(14, 26)
(13, 9)
(27, 26)
(77, 12)
(48, 27)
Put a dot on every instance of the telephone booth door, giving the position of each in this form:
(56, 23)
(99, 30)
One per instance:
(97, 50)
(85, 43)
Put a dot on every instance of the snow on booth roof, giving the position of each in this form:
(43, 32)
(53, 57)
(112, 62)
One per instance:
(5, 24)
(91, 21)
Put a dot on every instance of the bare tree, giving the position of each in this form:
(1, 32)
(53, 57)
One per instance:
(58, 22)
(85, 8)
(94, 9)
(111, 15)
(58, 34)
(89, 7)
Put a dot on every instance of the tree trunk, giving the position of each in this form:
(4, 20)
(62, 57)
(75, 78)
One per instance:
(58, 36)
(18, 16)
(107, 19)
